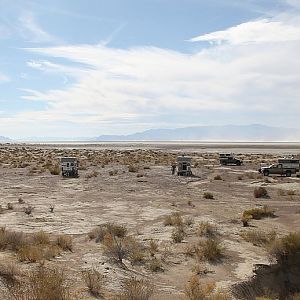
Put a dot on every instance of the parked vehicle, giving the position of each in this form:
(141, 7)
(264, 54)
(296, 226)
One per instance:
(69, 166)
(285, 166)
(229, 159)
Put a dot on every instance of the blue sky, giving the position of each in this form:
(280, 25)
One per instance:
(85, 68)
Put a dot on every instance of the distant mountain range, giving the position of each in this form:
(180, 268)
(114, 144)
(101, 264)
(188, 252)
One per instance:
(253, 132)
(226, 133)
(4, 139)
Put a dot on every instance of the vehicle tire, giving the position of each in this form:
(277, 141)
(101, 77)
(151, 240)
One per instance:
(288, 173)
(238, 163)
(266, 173)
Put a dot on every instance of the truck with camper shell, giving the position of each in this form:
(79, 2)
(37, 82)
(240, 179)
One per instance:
(229, 159)
(69, 166)
(284, 167)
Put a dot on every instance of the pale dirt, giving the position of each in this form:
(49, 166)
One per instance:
(141, 203)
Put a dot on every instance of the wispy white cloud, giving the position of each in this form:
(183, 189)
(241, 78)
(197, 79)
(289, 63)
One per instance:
(253, 32)
(4, 78)
(31, 30)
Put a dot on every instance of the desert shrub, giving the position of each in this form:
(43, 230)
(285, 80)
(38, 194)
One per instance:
(153, 247)
(155, 265)
(115, 247)
(132, 169)
(281, 192)
(41, 237)
(287, 246)
(92, 174)
(65, 242)
(175, 219)
(209, 249)
(31, 253)
(207, 229)
(10, 206)
(258, 213)
(135, 289)
(54, 170)
(43, 283)
(259, 238)
(97, 233)
(260, 192)
(95, 282)
(9, 273)
(189, 221)
(20, 200)
(178, 234)
(28, 210)
(245, 219)
(136, 251)
(51, 251)
(116, 230)
(196, 290)
(218, 177)
(208, 195)
(11, 240)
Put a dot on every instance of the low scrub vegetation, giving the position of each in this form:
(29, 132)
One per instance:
(43, 283)
(260, 192)
(33, 247)
(259, 238)
(285, 247)
(209, 249)
(208, 195)
(135, 289)
(207, 229)
(258, 213)
(175, 219)
(197, 290)
(95, 282)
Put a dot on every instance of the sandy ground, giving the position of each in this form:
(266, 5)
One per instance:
(140, 201)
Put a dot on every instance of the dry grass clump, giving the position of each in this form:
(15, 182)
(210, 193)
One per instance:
(92, 174)
(43, 283)
(117, 244)
(175, 219)
(208, 195)
(258, 213)
(155, 265)
(54, 170)
(95, 282)
(260, 192)
(218, 177)
(178, 234)
(132, 169)
(259, 238)
(33, 247)
(209, 249)
(207, 229)
(9, 273)
(10, 206)
(41, 238)
(135, 289)
(153, 247)
(196, 290)
(287, 246)
(65, 242)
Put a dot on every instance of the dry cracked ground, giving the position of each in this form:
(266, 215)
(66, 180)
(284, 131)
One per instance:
(168, 218)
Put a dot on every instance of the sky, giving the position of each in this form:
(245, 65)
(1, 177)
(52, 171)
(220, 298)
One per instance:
(78, 68)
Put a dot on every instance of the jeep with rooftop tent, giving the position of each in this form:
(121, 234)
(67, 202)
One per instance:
(229, 159)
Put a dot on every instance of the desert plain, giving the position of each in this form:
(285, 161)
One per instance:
(126, 217)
